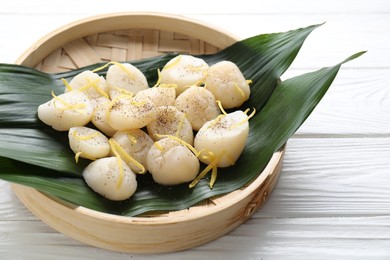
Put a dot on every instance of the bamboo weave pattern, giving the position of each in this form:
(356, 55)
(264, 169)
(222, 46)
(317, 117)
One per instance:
(126, 45)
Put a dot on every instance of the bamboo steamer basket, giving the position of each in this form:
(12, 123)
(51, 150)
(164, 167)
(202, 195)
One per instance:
(132, 36)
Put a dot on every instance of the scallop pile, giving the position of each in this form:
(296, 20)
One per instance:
(125, 128)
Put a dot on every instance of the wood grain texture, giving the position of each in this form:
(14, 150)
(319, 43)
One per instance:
(357, 104)
(333, 177)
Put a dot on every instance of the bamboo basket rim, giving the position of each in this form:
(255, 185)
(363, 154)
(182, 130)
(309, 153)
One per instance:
(77, 29)
(239, 195)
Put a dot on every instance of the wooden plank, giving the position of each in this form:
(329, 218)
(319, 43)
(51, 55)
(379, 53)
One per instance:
(332, 177)
(11, 209)
(357, 104)
(286, 238)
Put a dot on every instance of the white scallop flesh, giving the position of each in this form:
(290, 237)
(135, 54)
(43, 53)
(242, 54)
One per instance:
(228, 84)
(127, 113)
(66, 110)
(199, 105)
(136, 143)
(125, 78)
(183, 71)
(99, 117)
(93, 85)
(90, 143)
(171, 163)
(171, 121)
(224, 136)
(104, 177)
(160, 96)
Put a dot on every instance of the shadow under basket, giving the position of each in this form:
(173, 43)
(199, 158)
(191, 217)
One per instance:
(127, 37)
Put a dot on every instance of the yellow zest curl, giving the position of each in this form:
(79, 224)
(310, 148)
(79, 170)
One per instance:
(166, 85)
(68, 106)
(85, 137)
(180, 125)
(122, 91)
(77, 156)
(86, 156)
(239, 90)
(158, 146)
(184, 143)
(67, 85)
(158, 79)
(125, 156)
(131, 137)
(163, 85)
(94, 84)
(102, 67)
(219, 103)
(120, 65)
(120, 165)
(246, 119)
(214, 160)
(173, 63)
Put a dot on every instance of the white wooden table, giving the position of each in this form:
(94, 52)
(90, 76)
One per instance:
(333, 197)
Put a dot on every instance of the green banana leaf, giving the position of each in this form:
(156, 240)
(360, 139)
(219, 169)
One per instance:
(35, 155)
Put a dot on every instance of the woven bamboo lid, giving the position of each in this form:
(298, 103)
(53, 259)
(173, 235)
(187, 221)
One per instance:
(126, 37)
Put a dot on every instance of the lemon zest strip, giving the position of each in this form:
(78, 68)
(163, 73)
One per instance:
(102, 67)
(239, 90)
(67, 85)
(168, 85)
(184, 143)
(212, 166)
(108, 111)
(122, 91)
(246, 119)
(68, 106)
(119, 162)
(220, 107)
(173, 63)
(94, 85)
(121, 172)
(77, 156)
(126, 157)
(124, 69)
(158, 146)
(158, 79)
(180, 125)
(120, 65)
(131, 137)
(89, 84)
(85, 137)
(214, 173)
(86, 156)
